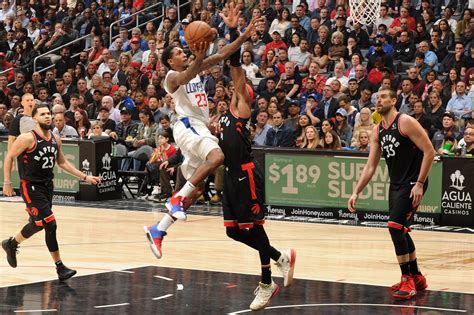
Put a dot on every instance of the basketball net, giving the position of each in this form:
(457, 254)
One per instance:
(365, 11)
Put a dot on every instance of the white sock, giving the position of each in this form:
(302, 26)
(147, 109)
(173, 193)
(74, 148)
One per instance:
(165, 223)
(187, 189)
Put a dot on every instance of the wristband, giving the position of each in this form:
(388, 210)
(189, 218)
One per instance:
(235, 57)
(419, 181)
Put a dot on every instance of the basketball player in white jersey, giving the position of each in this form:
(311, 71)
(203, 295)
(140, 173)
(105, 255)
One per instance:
(200, 148)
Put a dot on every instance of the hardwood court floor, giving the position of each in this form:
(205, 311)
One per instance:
(100, 240)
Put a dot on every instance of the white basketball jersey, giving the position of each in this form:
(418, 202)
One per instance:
(190, 99)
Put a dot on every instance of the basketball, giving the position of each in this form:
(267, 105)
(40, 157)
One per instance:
(198, 32)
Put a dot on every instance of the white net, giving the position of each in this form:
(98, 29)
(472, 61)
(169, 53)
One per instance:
(365, 11)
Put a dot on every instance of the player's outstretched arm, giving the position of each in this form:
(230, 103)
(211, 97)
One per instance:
(68, 167)
(369, 169)
(22, 143)
(231, 48)
(412, 128)
(241, 94)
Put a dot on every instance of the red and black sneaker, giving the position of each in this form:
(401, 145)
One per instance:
(407, 288)
(420, 283)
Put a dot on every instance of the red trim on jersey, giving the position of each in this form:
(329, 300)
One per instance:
(259, 222)
(395, 225)
(400, 129)
(34, 146)
(245, 225)
(49, 134)
(383, 125)
(39, 223)
(248, 167)
(230, 223)
(25, 191)
(49, 219)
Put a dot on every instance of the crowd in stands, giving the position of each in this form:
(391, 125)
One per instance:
(315, 72)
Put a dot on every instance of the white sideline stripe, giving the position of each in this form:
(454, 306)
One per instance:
(124, 271)
(162, 297)
(35, 311)
(356, 304)
(111, 305)
(164, 278)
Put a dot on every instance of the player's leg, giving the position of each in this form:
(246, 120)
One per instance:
(399, 208)
(10, 245)
(197, 142)
(32, 227)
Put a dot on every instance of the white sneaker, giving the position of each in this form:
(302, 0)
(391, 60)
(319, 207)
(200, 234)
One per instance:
(156, 190)
(263, 294)
(286, 265)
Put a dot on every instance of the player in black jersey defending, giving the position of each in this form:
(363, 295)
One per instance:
(409, 155)
(37, 152)
(243, 189)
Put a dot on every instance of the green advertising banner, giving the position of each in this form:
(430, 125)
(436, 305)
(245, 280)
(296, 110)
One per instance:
(63, 182)
(316, 181)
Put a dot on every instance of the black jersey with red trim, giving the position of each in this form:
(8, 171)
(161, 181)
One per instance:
(402, 156)
(37, 164)
(235, 140)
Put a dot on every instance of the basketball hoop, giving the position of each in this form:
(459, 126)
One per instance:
(364, 12)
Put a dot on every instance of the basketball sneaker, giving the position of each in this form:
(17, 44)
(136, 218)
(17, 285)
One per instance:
(286, 265)
(407, 288)
(11, 251)
(65, 273)
(155, 238)
(420, 283)
(175, 207)
(263, 294)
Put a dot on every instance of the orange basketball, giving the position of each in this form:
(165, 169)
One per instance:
(197, 32)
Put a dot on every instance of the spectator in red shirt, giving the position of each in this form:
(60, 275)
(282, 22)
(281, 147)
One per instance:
(5, 65)
(275, 44)
(397, 25)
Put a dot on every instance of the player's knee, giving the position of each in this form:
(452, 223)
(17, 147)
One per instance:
(216, 157)
(399, 241)
(50, 227)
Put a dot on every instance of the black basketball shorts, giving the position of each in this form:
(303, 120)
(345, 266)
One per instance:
(243, 197)
(401, 210)
(39, 201)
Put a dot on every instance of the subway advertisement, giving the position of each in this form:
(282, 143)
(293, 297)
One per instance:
(313, 187)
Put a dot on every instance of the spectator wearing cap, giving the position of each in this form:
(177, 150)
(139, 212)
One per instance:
(33, 30)
(340, 26)
(108, 125)
(125, 128)
(342, 127)
(380, 41)
(360, 35)
(135, 51)
(378, 52)
(293, 115)
(460, 103)
(61, 128)
(275, 44)
(4, 66)
(295, 28)
(280, 135)
(448, 130)
(312, 110)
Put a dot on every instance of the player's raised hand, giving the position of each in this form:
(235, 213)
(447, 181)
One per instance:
(200, 49)
(231, 19)
(8, 190)
(251, 28)
(352, 202)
